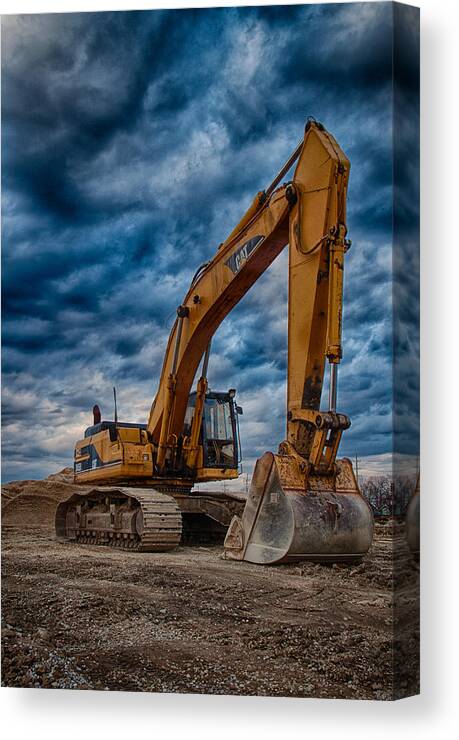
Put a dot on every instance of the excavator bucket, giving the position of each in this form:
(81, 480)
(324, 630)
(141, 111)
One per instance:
(291, 516)
(412, 522)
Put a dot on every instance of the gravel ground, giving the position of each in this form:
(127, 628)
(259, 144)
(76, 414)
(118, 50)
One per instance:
(82, 617)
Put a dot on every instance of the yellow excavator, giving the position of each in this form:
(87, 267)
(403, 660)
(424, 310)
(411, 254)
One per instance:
(137, 479)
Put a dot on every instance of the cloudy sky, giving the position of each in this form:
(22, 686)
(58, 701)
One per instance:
(132, 142)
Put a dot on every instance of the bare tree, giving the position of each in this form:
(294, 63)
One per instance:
(388, 496)
(378, 492)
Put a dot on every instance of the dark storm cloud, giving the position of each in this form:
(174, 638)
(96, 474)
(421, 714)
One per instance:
(131, 144)
(406, 232)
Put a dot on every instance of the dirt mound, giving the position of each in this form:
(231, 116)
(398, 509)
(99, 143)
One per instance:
(32, 503)
(30, 511)
(64, 476)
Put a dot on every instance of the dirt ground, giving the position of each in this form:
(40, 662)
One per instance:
(82, 617)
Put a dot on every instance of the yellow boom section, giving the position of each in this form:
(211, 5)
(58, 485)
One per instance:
(309, 214)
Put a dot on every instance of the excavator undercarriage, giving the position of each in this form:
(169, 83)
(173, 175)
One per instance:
(135, 519)
(144, 519)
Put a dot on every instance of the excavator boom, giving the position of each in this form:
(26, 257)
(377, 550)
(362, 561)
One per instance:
(309, 214)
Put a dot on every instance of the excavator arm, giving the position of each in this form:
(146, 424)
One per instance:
(309, 214)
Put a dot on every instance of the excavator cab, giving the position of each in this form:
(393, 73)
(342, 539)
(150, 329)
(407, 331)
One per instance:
(219, 436)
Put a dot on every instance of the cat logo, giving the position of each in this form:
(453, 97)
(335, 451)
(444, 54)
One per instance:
(241, 255)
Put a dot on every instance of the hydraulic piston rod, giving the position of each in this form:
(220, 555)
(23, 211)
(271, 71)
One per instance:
(333, 392)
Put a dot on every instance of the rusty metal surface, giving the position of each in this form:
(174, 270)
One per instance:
(291, 515)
